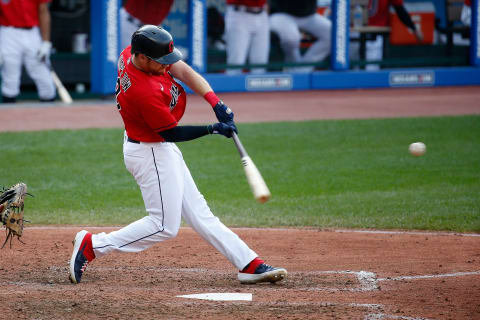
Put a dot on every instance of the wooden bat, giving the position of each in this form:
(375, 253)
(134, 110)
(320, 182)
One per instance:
(62, 92)
(257, 184)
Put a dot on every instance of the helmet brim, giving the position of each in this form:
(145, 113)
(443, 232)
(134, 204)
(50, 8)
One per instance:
(170, 58)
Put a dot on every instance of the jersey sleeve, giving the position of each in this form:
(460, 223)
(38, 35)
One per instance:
(157, 114)
(397, 2)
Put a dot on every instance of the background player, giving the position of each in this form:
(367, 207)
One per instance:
(136, 13)
(151, 104)
(247, 33)
(379, 15)
(25, 38)
(288, 18)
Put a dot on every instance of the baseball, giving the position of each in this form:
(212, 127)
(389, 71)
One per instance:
(417, 149)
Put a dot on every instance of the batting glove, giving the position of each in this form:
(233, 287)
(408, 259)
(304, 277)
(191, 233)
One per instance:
(221, 128)
(224, 114)
(43, 53)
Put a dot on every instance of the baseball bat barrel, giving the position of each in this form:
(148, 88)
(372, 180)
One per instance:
(255, 180)
(62, 91)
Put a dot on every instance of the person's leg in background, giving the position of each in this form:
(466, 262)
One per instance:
(260, 44)
(320, 27)
(11, 49)
(38, 70)
(237, 37)
(287, 30)
(374, 52)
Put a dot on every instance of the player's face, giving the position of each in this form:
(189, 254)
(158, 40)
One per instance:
(156, 68)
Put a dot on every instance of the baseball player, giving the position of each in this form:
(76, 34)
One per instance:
(136, 13)
(287, 20)
(378, 15)
(247, 34)
(151, 103)
(25, 38)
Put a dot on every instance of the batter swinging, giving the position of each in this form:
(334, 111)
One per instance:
(151, 104)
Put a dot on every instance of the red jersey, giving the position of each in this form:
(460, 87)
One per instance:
(149, 11)
(147, 103)
(20, 13)
(378, 11)
(248, 3)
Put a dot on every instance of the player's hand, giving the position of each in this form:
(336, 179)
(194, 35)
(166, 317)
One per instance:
(224, 114)
(43, 53)
(221, 128)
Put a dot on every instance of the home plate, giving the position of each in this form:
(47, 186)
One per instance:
(220, 296)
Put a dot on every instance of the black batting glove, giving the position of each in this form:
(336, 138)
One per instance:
(221, 128)
(224, 114)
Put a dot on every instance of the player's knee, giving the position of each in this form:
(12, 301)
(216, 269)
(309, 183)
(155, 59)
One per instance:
(170, 232)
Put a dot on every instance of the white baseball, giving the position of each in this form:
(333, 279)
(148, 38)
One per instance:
(417, 149)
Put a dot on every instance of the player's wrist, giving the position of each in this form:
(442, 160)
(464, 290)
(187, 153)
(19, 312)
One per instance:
(211, 98)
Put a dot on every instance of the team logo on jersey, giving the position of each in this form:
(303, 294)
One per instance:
(125, 82)
(175, 94)
(121, 64)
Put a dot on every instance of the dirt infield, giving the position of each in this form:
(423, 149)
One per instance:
(333, 274)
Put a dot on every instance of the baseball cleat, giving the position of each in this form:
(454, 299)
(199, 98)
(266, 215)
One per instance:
(81, 256)
(262, 273)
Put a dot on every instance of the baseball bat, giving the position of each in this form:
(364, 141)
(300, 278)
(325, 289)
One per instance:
(257, 184)
(62, 92)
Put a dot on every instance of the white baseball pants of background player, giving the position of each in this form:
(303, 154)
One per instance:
(247, 35)
(287, 28)
(374, 52)
(169, 193)
(19, 46)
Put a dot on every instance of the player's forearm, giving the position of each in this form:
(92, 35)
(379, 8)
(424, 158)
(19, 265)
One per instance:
(44, 21)
(184, 133)
(191, 78)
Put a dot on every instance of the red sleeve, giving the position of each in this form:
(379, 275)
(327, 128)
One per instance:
(157, 114)
(396, 2)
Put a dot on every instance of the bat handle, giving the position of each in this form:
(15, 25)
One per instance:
(239, 145)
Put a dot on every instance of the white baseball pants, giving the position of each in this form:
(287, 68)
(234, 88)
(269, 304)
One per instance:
(18, 47)
(247, 35)
(169, 193)
(287, 27)
(374, 52)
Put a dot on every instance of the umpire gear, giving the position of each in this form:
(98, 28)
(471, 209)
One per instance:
(156, 43)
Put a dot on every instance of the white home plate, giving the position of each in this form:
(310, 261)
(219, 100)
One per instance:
(219, 296)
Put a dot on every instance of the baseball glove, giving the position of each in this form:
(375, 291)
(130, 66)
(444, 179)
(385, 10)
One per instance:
(11, 211)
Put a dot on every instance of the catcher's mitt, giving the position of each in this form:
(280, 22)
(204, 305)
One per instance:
(11, 211)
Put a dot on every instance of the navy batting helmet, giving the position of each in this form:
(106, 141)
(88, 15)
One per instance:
(156, 43)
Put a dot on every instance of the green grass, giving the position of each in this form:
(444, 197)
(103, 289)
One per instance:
(343, 174)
